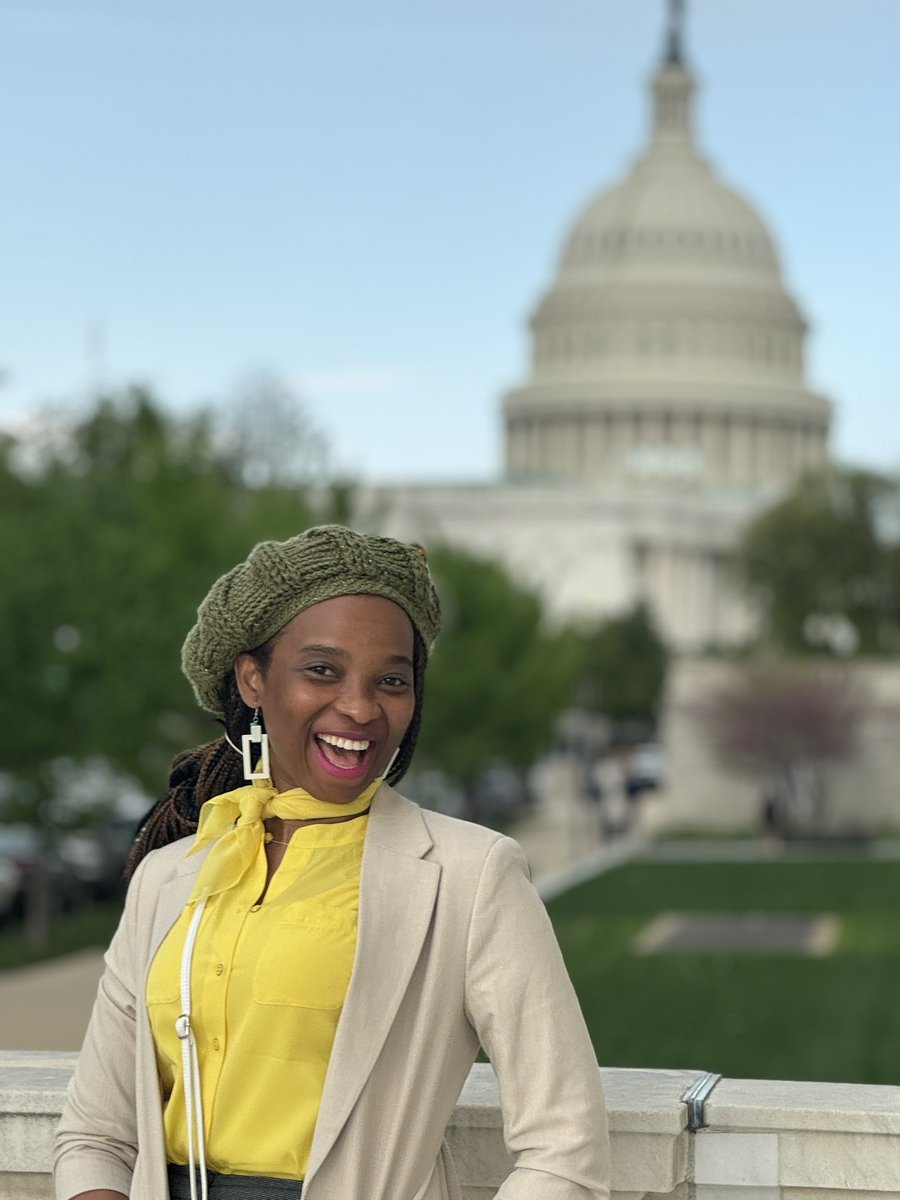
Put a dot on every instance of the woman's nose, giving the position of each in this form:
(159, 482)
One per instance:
(358, 701)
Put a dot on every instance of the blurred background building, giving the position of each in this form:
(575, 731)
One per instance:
(665, 406)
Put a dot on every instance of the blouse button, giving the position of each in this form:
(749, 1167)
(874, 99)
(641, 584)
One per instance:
(216, 1043)
(220, 967)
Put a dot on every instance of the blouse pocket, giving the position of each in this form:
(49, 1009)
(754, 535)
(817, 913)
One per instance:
(163, 982)
(163, 995)
(306, 962)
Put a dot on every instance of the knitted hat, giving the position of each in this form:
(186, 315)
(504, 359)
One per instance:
(258, 597)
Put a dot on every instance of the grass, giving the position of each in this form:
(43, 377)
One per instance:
(751, 1016)
(92, 925)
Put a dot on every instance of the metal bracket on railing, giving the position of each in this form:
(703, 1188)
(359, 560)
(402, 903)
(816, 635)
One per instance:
(695, 1098)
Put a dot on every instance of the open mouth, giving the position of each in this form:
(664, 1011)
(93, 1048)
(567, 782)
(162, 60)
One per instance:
(343, 754)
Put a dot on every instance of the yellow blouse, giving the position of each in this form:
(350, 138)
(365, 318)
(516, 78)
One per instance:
(268, 983)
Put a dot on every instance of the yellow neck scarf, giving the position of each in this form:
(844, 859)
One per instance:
(234, 822)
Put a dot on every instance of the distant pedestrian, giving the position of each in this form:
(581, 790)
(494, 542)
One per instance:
(612, 799)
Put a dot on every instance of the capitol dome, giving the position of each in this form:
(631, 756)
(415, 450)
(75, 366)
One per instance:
(668, 346)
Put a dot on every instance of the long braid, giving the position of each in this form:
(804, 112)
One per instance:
(196, 776)
(213, 768)
(408, 745)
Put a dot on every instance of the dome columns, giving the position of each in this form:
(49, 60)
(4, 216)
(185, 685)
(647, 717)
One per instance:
(674, 444)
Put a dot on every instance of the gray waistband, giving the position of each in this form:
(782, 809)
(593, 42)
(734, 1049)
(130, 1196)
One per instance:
(234, 1187)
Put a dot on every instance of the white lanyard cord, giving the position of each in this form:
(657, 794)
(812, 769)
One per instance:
(190, 1062)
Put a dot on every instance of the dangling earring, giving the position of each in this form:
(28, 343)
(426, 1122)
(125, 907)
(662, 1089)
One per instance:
(256, 737)
(387, 770)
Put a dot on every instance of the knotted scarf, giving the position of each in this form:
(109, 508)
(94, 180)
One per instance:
(234, 823)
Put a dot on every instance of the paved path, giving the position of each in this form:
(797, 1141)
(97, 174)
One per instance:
(563, 843)
(46, 1006)
(733, 850)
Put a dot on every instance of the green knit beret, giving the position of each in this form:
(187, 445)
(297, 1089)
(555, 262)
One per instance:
(258, 597)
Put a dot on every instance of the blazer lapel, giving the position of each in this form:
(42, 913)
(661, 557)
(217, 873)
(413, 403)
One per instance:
(396, 899)
(173, 898)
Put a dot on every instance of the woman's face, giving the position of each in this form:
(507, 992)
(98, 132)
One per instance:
(337, 695)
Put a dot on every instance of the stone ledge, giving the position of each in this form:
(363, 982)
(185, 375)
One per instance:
(647, 1120)
(764, 1140)
(823, 1107)
(822, 1139)
(34, 1082)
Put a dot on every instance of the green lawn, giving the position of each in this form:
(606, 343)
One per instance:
(766, 1016)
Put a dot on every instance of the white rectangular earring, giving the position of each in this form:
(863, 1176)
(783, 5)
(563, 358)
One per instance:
(257, 737)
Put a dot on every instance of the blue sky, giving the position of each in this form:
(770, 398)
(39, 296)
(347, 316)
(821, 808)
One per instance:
(368, 199)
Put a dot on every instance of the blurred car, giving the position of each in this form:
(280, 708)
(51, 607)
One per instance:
(95, 858)
(21, 847)
(646, 770)
(499, 792)
(433, 789)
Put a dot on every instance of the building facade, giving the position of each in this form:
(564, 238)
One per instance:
(666, 401)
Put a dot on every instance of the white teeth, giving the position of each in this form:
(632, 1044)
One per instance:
(343, 743)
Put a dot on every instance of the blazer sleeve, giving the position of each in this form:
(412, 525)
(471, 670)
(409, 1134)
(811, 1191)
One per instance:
(522, 1004)
(96, 1140)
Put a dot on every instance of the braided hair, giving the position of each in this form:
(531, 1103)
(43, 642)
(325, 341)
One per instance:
(205, 771)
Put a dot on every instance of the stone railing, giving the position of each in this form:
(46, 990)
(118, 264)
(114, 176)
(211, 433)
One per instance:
(731, 1138)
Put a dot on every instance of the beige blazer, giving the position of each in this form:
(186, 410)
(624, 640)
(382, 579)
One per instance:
(454, 950)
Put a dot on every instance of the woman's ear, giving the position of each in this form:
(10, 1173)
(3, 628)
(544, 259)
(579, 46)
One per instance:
(249, 677)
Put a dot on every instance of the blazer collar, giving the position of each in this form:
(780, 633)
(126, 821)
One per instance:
(173, 895)
(398, 824)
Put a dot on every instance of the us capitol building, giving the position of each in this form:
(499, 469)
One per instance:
(665, 403)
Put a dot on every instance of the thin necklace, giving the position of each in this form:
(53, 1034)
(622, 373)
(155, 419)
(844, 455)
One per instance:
(274, 841)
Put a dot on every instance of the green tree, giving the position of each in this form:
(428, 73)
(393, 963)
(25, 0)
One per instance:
(623, 668)
(111, 531)
(498, 679)
(824, 565)
(260, 431)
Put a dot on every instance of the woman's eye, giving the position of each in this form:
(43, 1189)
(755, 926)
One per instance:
(396, 681)
(322, 670)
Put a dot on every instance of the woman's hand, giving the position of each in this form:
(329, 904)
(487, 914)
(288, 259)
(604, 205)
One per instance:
(101, 1194)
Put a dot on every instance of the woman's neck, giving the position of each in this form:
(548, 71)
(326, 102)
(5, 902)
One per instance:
(280, 827)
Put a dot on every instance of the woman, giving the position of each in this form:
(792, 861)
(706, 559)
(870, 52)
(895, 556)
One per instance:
(295, 995)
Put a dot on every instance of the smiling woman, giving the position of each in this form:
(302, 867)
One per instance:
(337, 693)
(308, 963)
